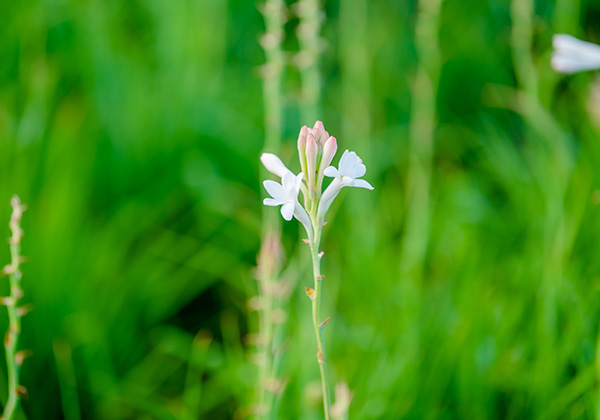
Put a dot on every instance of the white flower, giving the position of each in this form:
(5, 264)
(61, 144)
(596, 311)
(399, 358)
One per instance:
(274, 165)
(286, 196)
(350, 170)
(572, 55)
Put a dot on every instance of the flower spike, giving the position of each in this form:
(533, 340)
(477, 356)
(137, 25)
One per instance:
(316, 150)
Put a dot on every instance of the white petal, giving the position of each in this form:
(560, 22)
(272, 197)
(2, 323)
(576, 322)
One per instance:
(298, 181)
(351, 165)
(361, 183)
(564, 42)
(344, 162)
(289, 183)
(564, 63)
(347, 181)
(275, 189)
(358, 170)
(274, 164)
(272, 202)
(287, 211)
(302, 216)
(332, 172)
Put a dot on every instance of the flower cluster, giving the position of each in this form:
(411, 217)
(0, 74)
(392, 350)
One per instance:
(316, 149)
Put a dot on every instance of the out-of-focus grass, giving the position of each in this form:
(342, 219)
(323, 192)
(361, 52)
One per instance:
(132, 131)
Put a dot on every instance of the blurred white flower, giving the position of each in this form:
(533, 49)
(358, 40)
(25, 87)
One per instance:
(351, 168)
(572, 55)
(274, 165)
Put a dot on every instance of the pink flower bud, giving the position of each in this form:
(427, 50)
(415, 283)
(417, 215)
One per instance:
(311, 161)
(318, 130)
(329, 151)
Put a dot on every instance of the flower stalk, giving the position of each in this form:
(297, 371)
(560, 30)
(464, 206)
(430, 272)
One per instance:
(316, 151)
(14, 359)
(318, 325)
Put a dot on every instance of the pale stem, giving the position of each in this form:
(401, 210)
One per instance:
(12, 337)
(273, 12)
(309, 40)
(14, 318)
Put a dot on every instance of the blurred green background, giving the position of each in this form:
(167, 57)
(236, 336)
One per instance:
(466, 285)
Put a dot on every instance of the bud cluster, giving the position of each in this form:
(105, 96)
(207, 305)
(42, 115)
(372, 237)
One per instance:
(316, 149)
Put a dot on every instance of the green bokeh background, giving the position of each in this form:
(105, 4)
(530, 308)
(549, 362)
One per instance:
(133, 130)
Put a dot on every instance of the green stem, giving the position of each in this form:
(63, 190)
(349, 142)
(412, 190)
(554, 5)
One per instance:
(316, 307)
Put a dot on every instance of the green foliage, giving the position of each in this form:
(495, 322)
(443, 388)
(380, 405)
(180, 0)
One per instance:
(132, 131)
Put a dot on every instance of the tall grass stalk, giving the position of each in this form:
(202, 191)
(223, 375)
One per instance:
(355, 58)
(268, 261)
(555, 170)
(274, 16)
(421, 136)
(421, 148)
(311, 18)
(522, 14)
(14, 359)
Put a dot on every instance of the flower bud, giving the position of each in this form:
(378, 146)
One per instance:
(329, 150)
(324, 136)
(318, 130)
(311, 162)
(302, 147)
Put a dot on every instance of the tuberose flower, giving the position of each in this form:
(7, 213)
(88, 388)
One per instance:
(351, 168)
(572, 55)
(286, 196)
